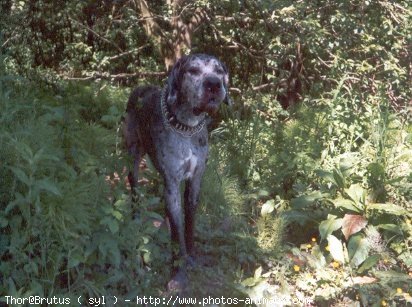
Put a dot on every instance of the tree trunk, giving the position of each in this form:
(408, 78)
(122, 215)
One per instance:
(175, 38)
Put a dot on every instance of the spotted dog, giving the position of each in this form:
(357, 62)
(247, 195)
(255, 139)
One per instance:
(169, 124)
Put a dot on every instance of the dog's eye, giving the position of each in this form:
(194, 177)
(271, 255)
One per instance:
(194, 71)
(220, 71)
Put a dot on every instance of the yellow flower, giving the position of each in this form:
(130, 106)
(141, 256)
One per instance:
(399, 290)
(335, 264)
(384, 303)
(313, 239)
(296, 268)
(327, 248)
(308, 245)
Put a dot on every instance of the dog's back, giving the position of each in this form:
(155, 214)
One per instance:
(138, 94)
(140, 102)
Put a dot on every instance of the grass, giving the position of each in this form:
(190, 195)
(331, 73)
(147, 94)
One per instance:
(67, 230)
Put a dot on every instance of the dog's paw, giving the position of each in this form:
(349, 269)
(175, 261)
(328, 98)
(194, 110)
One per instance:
(191, 262)
(178, 283)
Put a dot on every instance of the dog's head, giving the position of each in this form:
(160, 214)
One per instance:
(200, 82)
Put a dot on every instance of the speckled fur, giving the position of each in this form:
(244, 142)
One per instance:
(196, 86)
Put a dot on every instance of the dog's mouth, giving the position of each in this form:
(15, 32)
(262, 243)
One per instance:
(210, 105)
(213, 102)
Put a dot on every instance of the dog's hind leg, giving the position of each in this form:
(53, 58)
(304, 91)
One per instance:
(134, 174)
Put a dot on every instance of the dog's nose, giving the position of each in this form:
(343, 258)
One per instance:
(212, 84)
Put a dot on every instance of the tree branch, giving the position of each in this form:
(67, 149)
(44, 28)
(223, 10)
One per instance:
(97, 34)
(115, 57)
(107, 76)
(265, 86)
(151, 26)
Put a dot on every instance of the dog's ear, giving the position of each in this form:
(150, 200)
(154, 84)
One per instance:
(174, 81)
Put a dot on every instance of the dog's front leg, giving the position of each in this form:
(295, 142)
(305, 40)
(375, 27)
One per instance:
(191, 198)
(175, 216)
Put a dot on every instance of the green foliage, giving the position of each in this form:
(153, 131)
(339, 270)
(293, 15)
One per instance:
(59, 227)
(332, 169)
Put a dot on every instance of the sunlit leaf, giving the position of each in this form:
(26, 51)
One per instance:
(328, 226)
(353, 223)
(362, 280)
(258, 272)
(346, 204)
(357, 194)
(268, 207)
(336, 248)
(389, 209)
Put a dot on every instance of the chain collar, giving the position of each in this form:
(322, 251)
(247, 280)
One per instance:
(171, 122)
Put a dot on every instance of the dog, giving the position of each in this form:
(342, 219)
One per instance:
(169, 124)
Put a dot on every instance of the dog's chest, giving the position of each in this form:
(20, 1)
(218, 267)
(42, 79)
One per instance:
(191, 159)
(189, 164)
(182, 157)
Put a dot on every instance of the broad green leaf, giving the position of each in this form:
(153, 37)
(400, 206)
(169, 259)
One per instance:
(346, 204)
(117, 214)
(357, 194)
(268, 207)
(392, 276)
(389, 209)
(391, 227)
(339, 179)
(111, 223)
(299, 217)
(328, 176)
(346, 163)
(305, 200)
(358, 249)
(336, 248)
(154, 215)
(328, 226)
(353, 223)
(369, 263)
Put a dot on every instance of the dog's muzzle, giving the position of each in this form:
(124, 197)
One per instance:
(213, 94)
